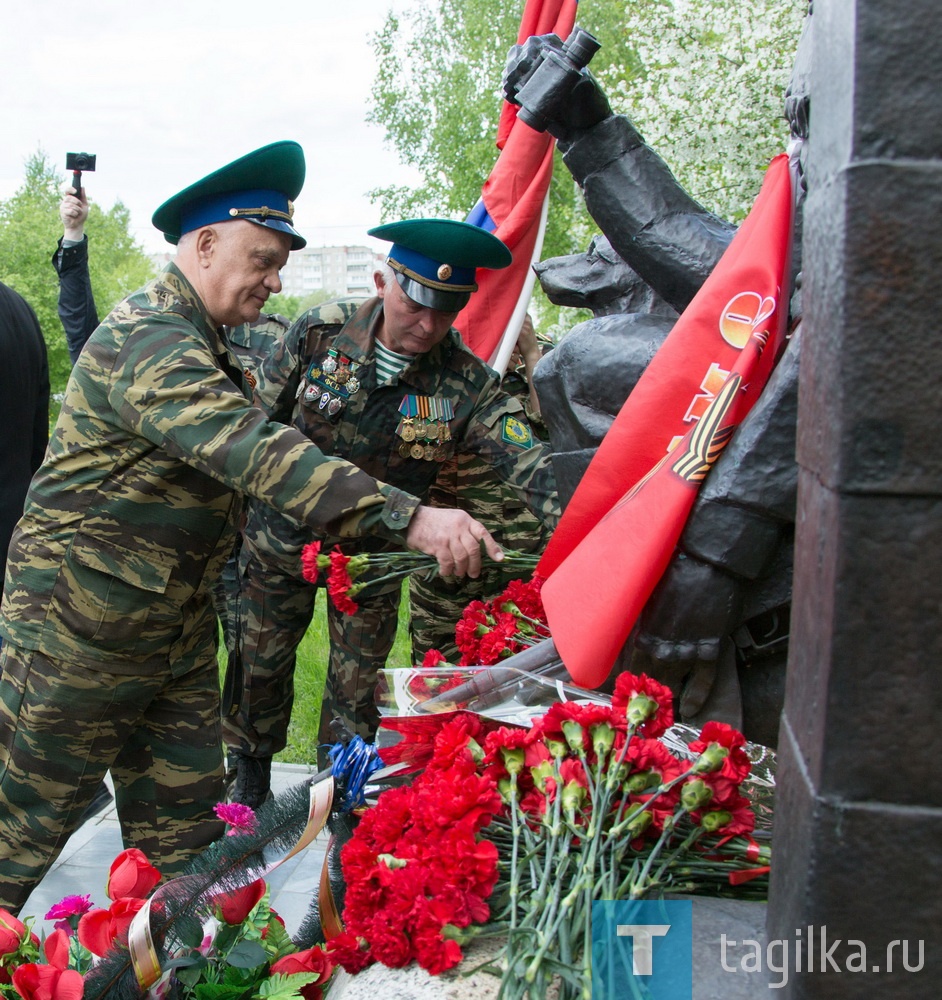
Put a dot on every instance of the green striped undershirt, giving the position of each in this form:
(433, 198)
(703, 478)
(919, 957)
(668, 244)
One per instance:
(389, 364)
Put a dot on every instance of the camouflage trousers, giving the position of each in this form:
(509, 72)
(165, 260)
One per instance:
(63, 726)
(274, 610)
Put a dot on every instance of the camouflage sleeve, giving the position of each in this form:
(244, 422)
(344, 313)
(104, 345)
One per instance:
(168, 388)
(278, 376)
(500, 433)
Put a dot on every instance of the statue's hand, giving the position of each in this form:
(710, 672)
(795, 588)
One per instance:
(524, 59)
(554, 94)
(693, 608)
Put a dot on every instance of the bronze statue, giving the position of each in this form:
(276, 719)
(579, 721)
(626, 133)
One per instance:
(716, 627)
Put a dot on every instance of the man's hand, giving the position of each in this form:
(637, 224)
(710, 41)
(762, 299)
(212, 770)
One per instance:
(73, 211)
(453, 537)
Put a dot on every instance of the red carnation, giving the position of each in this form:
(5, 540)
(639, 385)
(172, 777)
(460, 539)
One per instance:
(720, 748)
(309, 565)
(646, 702)
(351, 951)
(339, 583)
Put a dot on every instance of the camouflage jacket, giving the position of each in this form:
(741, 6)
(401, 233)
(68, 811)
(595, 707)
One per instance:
(252, 341)
(131, 516)
(365, 425)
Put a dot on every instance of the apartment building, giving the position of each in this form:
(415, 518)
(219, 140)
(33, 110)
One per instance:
(343, 270)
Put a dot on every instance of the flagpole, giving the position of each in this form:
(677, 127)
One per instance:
(502, 353)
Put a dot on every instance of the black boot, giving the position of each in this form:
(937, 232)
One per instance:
(251, 779)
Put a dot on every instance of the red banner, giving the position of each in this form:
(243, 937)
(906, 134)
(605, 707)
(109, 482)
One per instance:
(620, 529)
(511, 207)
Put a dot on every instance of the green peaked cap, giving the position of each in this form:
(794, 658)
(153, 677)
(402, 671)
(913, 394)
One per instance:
(435, 259)
(259, 187)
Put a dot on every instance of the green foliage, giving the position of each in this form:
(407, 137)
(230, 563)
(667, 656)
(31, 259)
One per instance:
(285, 305)
(437, 93)
(710, 98)
(29, 231)
(285, 987)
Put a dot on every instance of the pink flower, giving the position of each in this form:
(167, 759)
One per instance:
(240, 818)
(67, 911)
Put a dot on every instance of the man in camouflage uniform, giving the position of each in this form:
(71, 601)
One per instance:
(466, 481)
(388, 385)
(108, 658)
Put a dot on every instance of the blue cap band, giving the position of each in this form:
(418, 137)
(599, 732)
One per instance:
(458, 279)
(251, 205)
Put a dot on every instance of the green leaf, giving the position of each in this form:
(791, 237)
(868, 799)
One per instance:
(194, 959)
(190, 931)
(215, 991)
(278, 941)
(247, 955)
(279, 987)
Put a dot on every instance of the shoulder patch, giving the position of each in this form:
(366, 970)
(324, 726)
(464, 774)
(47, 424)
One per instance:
(515, 431)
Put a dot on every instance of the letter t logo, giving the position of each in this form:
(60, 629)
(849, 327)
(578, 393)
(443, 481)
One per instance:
(642, 949)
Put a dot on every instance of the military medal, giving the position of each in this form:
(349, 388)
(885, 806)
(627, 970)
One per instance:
(323, 401)
(329, 364)
(311, 392)
(334, 406)
(425, 423)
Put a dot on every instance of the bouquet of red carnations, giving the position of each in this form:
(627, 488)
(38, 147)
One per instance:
(513, 831)
(346, 576)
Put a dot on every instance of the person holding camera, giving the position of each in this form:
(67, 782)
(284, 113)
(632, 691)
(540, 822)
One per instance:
(76, 303)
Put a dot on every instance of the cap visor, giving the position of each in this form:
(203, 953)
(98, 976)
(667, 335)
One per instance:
(433, 298)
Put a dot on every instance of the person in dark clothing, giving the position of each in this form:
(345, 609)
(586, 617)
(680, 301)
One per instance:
(24, 407)
(70, 260)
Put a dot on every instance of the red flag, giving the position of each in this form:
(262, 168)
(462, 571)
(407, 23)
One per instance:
(630, 507)
(512, 206)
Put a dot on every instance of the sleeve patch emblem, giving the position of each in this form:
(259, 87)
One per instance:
(515, 431)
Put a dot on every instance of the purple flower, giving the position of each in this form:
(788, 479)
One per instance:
(69, 907)
(240, 818)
